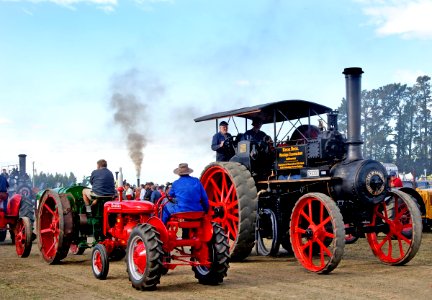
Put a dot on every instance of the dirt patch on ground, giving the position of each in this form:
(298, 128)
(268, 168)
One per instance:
(359, 276)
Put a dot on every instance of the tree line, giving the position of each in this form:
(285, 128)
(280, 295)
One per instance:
(396, 125)
(48, 180)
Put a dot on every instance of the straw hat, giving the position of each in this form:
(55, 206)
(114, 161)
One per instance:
(183, 169)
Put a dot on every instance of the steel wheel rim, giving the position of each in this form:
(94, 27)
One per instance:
(394, 242)
(97, 262)
(20, 237)
(221, 191)
(137, 258)
(49, 224)
(311, 232)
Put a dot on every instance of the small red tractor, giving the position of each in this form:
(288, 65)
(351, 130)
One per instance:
(12, 218)
(117, 225)
(154, 248)
(17, 212)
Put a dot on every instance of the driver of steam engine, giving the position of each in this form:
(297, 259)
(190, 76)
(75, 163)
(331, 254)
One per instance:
(255, 134)
(222, 153)
(102, 181)
(187, 193)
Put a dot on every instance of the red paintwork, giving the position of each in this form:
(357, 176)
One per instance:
(222, 193)
(394, 245)
(13, 205)
(304, 219)
(12, 212)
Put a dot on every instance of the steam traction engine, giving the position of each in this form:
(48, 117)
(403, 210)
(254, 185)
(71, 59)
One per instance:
(311, 192)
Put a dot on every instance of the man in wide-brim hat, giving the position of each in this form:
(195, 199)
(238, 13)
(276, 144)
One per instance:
(187, 193)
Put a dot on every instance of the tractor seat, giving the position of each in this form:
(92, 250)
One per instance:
(190, 219)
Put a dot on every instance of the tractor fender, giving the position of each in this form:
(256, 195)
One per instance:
(14, 205)
(160, 227)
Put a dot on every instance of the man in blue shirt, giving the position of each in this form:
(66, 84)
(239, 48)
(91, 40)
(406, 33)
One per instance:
(188, 194)
(4, 185)
(102, 181)
(223, 152)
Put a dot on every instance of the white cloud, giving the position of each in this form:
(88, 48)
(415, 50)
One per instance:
(408, 76)
(105, 5)
(4, 121)
(409, 19)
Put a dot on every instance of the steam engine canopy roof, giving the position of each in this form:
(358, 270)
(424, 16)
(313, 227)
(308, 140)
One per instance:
(290, 110)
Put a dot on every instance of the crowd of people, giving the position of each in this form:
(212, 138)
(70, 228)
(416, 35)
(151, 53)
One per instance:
(184, 194)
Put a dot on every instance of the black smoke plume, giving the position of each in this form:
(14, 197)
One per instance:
(132, 93)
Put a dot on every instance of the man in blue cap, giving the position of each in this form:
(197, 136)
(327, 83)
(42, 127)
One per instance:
(224, 151)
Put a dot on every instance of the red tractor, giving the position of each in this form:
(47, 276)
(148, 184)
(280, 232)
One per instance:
(19, 224)
(114, 225)
(17, 211)
(154, 248)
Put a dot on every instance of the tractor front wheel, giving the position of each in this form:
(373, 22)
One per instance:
(144, 257)
(317, 233)
(23, 237)
(100, 264)
(398, 233)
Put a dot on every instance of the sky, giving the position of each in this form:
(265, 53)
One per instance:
(81, 78)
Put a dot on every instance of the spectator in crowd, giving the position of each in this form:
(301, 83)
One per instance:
(395, 181)
(188, 194)
(218, 142)
(102, 181)
(155, 196)
(142, 192)
(148, 191)
(5, 174)
(4, 185)
(137, 193)
(129, 192)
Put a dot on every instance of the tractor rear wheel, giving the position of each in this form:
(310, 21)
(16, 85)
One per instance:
(231, 188)
(144, 257)
(317, 233)
(23, 237)
(100, 263)
(399, 239)
(54, 226)
(218, 257)
(267, 239)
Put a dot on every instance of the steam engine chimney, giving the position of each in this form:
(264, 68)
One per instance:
(22, 164)
(353, 96)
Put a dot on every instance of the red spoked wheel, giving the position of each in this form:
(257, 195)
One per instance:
(398, 229)
(23, 237)
(54, 226)
(144, 257)
(231, 189)
(317, 233)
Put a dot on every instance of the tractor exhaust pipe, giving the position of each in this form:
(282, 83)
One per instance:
(22, 164)
(353, 96)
